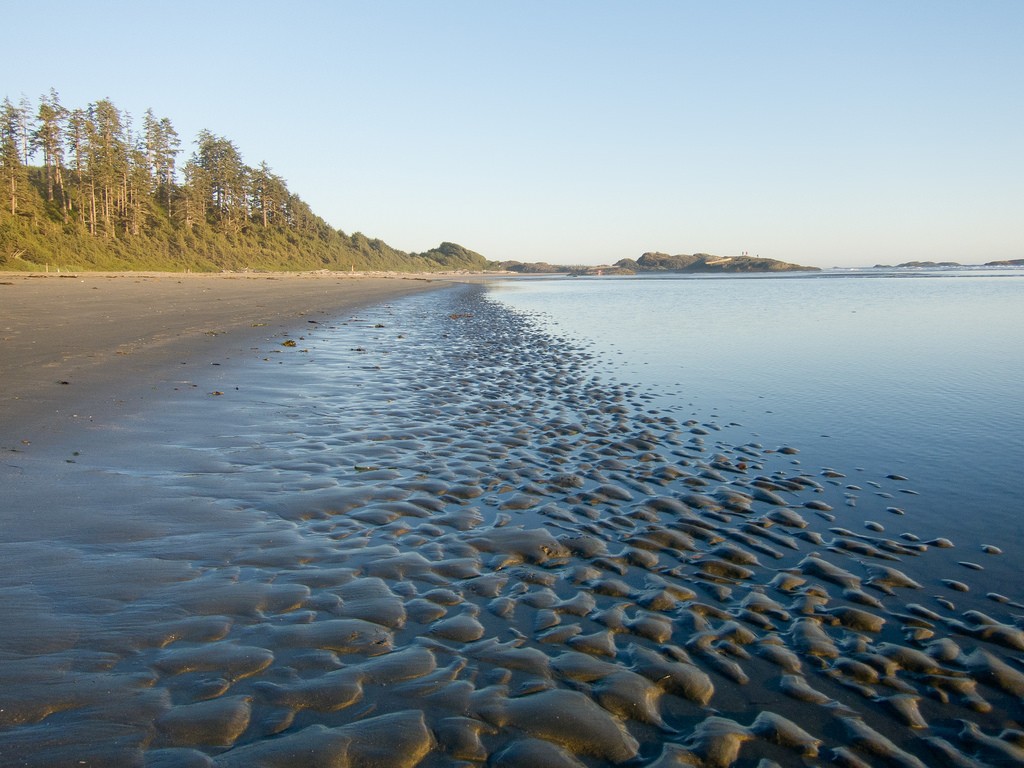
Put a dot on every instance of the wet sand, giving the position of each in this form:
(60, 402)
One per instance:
(77, 341)
(427, 533)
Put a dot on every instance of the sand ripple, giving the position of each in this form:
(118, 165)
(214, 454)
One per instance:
(436, 535)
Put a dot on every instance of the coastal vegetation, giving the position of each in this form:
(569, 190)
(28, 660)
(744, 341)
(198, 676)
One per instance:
(950, 264)
(90, 188)
(706, 262)
(662, 262)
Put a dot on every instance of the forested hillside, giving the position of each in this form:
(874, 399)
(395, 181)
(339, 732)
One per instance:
(89, 188)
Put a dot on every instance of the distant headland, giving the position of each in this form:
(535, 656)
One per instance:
(652, 262)
(92, 188)
(950, 264)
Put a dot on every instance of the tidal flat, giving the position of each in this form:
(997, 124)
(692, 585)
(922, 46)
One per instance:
(433, 533)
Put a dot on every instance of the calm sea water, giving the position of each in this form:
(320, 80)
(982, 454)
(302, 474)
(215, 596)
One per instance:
(914, 373)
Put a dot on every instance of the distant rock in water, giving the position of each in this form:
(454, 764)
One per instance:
(940, 264)
(706, 262)
(921, 265)
(661, 262)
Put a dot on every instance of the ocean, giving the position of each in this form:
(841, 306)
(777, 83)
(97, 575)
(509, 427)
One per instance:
(913, 372)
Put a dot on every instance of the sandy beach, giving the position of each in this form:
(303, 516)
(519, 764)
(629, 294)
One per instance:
(79, 345)
(300, 524)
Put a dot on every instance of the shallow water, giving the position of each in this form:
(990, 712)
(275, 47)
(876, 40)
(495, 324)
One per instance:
(437, 534)
(914, 372)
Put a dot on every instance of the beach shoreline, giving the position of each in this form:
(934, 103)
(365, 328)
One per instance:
(82, 345)
(429, 531)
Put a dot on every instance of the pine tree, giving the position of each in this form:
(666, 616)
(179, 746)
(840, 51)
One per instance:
(269, 196)
(227, 176)
(12, 170)
(107, 162)
(25, 129)
(48, 137)
(77, 139)
(162, 147)
(196, 197)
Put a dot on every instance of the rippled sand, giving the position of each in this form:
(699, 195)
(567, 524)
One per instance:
(434, 535)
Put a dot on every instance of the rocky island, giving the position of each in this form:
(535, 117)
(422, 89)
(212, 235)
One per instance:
(706, 262)
(662, 262)
(951, 264)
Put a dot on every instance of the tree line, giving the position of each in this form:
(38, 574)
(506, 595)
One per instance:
(92, 186)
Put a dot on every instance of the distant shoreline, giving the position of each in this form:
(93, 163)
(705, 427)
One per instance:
(948, 264)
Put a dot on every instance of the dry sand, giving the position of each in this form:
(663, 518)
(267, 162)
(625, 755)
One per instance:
(76, 345)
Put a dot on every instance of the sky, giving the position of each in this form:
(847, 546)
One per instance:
(819, 132)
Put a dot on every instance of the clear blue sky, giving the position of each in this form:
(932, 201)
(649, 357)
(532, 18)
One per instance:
(816, 131)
